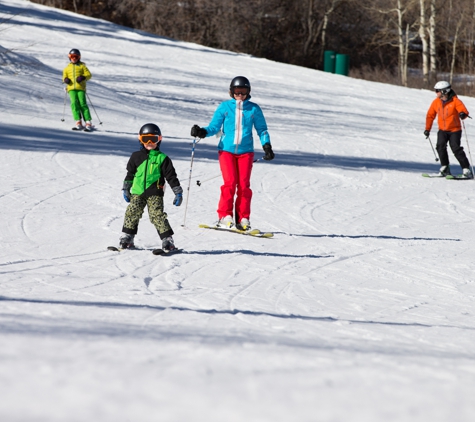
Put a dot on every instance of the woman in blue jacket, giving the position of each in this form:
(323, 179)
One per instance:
(235, 119)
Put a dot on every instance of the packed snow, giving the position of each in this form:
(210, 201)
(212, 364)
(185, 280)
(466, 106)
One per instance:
(360, 308)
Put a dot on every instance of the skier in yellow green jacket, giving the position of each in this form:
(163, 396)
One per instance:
(75, 75)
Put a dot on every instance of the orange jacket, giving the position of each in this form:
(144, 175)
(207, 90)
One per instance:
(447, 114)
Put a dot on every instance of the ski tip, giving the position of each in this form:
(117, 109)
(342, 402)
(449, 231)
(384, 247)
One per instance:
(113, 248)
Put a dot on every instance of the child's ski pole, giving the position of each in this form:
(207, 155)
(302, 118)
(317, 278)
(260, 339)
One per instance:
(189, 180)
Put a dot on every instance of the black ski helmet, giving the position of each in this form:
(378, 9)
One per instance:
(239, 82)
(150, 129)
(76, 52)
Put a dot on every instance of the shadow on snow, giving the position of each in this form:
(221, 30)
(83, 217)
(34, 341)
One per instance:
(29, 139)
(115, 305)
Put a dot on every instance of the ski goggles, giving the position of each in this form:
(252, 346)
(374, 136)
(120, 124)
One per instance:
(150, 139)
(243, 92)
(74, 56)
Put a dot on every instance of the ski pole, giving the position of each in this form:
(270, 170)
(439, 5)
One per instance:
(189, 180)
(64, 105)
(93, 108)
(433, 150)
(199, 182)
(468, 145)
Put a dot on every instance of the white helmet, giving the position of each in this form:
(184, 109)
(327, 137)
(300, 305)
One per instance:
(443, 87)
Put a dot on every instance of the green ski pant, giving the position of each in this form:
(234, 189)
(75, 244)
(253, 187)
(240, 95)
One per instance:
(79, 105)
(158, 217)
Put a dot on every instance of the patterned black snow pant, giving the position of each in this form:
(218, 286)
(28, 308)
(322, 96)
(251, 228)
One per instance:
(454, 140)
(158, 217)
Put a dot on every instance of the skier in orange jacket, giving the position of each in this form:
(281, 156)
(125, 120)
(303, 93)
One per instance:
(449, 111)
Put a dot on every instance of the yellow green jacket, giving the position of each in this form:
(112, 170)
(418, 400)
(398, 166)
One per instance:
(72, 71)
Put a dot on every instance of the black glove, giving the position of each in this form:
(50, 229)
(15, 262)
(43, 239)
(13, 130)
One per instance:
(80, 79)
(67, 81)
(178, 191)
(463, 115)
(126, 190)
(269, 154)
(199, 132)
(426, 133)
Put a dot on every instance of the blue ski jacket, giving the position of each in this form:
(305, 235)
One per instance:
(235, 120)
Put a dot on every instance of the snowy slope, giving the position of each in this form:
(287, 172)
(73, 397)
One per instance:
(361, 308)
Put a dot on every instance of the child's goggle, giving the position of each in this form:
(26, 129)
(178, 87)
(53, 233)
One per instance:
(74, 56)
(150, 139)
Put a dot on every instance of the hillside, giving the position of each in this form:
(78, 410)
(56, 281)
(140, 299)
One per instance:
(361, 308)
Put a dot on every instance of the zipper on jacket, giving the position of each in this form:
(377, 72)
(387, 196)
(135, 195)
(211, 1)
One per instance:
(238, 123)
(145, 176)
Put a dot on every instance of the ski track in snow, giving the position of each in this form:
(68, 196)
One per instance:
(364, 296)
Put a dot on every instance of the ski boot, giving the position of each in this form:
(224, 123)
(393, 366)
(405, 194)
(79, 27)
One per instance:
(244, 225)
(225, 222)
(126, 241)
(168, 245)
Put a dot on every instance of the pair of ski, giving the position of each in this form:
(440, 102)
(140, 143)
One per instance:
(448, 177)
(158, 251)
(84, 129)
(164, 252)
(253, 232)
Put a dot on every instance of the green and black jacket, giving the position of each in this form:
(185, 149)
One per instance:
(148, 170)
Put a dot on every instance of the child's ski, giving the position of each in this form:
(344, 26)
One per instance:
(253, 232)
(158, 251)
(161, 251)
(432, 175)
(457, 177)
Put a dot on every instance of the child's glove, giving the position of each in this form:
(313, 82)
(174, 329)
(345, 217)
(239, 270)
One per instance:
(426, 133)
(269, 154)
(178, 191)
(199, 132)
(67, 81)
(126, 190)
(79, 79)
(463, 115)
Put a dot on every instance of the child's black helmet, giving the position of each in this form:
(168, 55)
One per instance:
(150, 129)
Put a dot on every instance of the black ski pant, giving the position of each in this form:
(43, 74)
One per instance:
(454, 140)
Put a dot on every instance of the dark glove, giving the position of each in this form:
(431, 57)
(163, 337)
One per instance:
(67, 81)
(269, 154)
(199, 132)
(178, 191)
(80, 79)
(463, 115)
(126, 190)
(426, 133)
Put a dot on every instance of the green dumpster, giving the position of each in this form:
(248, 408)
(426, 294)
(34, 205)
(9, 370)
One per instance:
(342, 64)
(329, 61)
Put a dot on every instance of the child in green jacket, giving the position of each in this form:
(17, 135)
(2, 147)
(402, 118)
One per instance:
(75, 75)
(147, 171)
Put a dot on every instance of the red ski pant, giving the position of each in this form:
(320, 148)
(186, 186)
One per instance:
(236, 171)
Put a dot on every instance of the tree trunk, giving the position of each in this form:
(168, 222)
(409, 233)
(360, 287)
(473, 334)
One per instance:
(402, 46)
(454, 50)
(325, 24)
(425, 44)
(433, 45)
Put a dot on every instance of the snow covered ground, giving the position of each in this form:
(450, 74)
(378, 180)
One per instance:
(361, 308)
